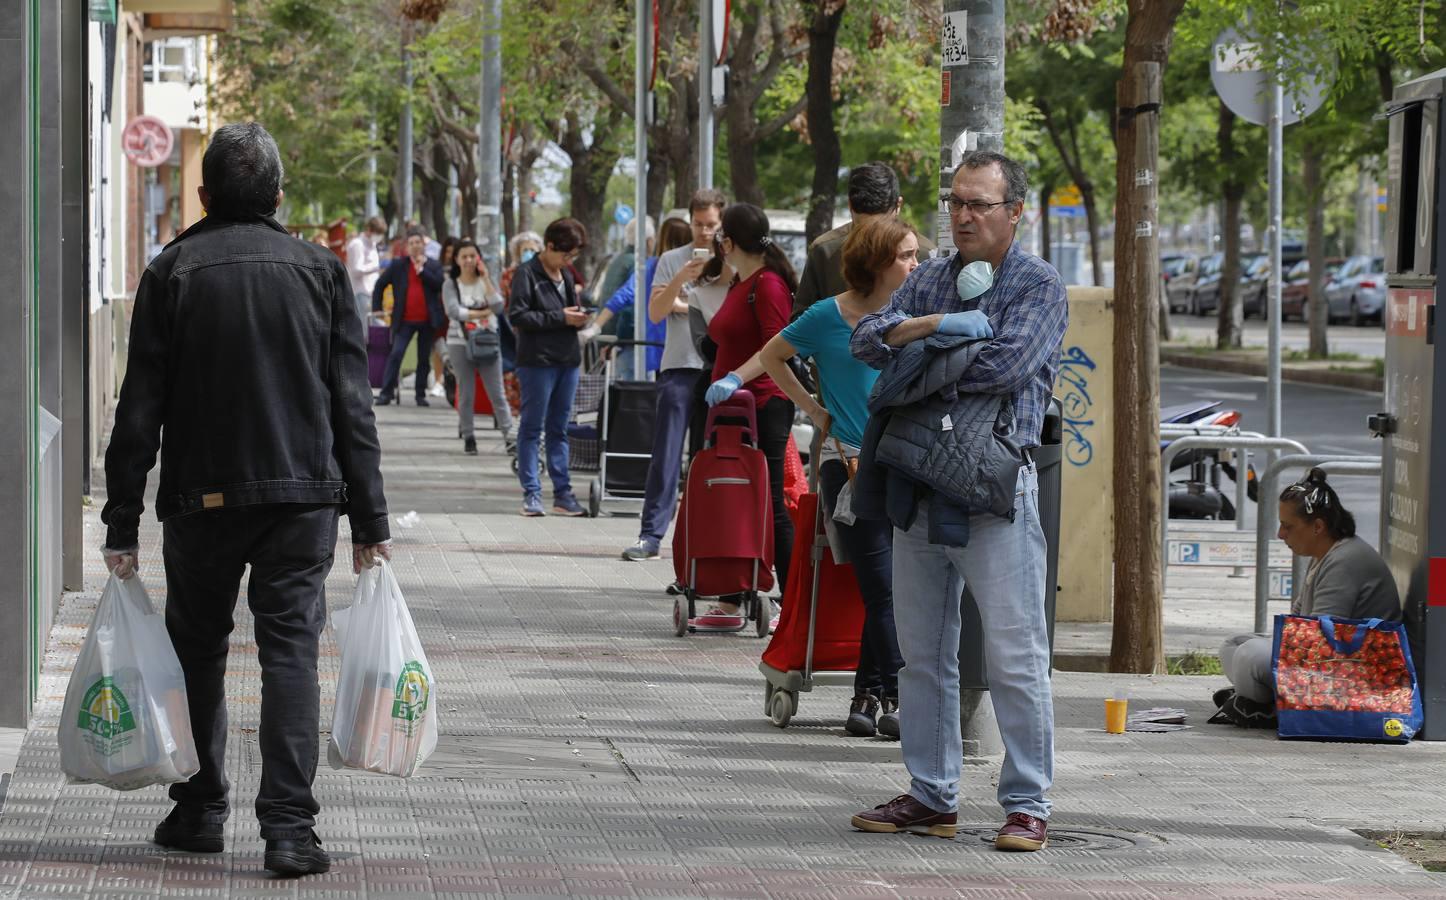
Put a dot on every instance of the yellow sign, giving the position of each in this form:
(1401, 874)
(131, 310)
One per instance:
(1068, 195)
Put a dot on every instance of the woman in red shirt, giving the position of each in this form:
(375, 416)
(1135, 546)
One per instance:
(757, 308)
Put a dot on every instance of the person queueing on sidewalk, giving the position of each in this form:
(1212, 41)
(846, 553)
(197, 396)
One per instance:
(1017, 303)
(674, 278)
(873, 193)
(439, 337)
(674, 232)
(546, 315)
(756, 309)
(877, 256)
(262, 448)
(473, 303)
(416, 284)
(364, 263)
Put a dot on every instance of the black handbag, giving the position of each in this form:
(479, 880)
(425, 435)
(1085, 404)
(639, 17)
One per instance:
(483, 346)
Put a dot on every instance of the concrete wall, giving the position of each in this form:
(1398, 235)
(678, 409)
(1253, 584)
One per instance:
(1085, 389)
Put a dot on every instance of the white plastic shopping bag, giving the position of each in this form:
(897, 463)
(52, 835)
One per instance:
(126, 724)
(386, 712)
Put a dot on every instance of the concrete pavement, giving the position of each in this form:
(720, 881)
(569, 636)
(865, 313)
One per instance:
(588, 752)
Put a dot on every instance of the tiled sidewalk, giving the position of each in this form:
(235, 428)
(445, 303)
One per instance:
(588, 752)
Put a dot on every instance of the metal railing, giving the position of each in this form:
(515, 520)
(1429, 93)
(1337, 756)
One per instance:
(1231, 441)
(1265, 516)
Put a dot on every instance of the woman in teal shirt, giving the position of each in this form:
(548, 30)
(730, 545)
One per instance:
(877, 257)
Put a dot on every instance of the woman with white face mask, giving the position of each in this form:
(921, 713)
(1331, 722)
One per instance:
(473, 303)
(877, 257)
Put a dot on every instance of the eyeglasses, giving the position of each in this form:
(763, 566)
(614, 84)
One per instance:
(977, 207)
(1311, 496)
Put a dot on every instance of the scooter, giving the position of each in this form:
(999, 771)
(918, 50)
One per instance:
(1198, 495)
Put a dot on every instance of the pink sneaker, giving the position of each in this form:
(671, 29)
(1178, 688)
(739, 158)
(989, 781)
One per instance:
(716, 619)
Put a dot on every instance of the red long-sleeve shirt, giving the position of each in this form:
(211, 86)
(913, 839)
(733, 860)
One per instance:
(740, 328)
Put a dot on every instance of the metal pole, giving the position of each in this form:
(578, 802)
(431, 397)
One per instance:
(973, 120)
(489, 141)
(372, 170)
(641, 71)
(1276, 177)
(1242, 497)
(706, 55)
(404, 163)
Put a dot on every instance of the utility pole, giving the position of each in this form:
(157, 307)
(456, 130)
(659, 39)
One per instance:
(641, 69)
(489, 144)
(372, 169)
(706, 55)
(972, 68)
(404, 161)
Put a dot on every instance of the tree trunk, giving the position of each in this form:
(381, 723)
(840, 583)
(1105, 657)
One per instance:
(509, 199)
(822, 133)
(1137, 644)
(1045, 191)
(1318, 313)
(1230, 317)
(592, 166)
(742, 154)
(525, 199)
(439, 191)
(1092, 223)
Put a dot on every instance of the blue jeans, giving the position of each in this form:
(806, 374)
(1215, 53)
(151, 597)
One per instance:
(1004, 565)
(401, 337)
(547, 394)
(670, 423)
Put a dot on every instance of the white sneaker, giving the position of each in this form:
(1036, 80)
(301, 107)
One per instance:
(437, 390)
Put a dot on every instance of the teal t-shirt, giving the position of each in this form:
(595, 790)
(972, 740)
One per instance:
(822, 333)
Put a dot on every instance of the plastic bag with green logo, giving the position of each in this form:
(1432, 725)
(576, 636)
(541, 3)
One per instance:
(386, 711)
(126, 723)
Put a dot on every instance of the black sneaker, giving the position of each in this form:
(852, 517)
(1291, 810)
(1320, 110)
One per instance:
(1219, 697)
(384, 398)
(862, 711)
(889, 717)
(176, 833)
(469, 446)
(302, 856)
(1243, 712)
(422, 401)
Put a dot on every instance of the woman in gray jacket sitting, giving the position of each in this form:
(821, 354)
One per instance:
(1347, 579)
(473, 303)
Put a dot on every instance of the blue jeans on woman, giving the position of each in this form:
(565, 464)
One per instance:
(547, 395)
(868, 544)
(1004, 566)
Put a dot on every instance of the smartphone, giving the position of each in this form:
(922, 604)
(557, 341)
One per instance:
(702, 253)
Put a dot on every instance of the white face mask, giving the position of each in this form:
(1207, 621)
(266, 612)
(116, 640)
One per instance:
(974, 279)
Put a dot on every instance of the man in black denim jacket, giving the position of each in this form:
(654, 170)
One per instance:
(246, 353)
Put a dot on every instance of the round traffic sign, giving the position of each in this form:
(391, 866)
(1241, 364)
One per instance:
(623, 214)
(1241, 75)
(147, 141)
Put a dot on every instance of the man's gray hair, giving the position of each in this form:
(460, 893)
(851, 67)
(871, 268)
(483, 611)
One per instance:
(1016, 181)
(242, 171)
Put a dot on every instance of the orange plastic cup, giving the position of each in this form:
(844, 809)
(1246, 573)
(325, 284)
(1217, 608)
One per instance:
(1115, 713)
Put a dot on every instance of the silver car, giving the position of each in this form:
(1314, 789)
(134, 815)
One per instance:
(1357, 291)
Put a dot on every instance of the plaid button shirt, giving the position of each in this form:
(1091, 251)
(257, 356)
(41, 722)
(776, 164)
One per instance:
(1026, 307)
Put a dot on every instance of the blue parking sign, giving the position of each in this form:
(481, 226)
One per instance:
(1189, 553)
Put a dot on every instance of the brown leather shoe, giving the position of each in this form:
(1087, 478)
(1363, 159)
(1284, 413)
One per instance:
(1022, 831)
(904, 813)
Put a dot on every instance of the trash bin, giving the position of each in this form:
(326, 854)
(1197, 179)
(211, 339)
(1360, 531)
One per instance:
(1047, 459)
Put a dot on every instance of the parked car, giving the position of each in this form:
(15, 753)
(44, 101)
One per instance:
(1358, 291)
(1254, 283)
(1204, 295)
(1295, 291)
(1177, 272)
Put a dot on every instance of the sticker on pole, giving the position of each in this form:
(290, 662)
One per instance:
(944, 88)
(954, 40)
(147, 141)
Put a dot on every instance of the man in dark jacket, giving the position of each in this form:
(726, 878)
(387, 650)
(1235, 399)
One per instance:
(873, 193)
(546, 314)
(248, 373)
(416, 282)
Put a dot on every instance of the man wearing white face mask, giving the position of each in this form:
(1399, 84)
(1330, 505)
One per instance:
(993, 291)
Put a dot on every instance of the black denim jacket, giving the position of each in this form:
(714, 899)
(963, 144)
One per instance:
(247, 353)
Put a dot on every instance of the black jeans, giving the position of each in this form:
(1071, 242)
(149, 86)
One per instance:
(775, 423)
(289, 548)
(401, 337)
(869, 544)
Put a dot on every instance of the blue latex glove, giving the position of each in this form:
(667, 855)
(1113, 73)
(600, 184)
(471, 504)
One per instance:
(723, 388)
(972, 324)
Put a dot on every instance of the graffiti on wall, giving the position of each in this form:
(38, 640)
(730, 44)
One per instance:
(1075, 368)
